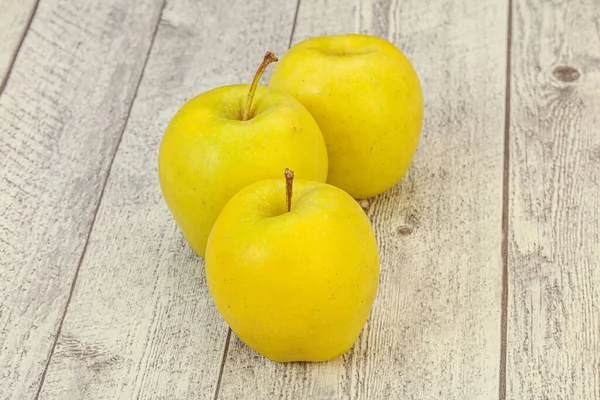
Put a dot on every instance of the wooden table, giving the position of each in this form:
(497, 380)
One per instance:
(490, 281)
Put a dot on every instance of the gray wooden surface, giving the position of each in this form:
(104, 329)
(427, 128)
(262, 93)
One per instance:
(553, 341)
(490, 249)
(62, 111)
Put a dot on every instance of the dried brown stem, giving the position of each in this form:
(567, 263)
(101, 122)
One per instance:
(289, 181)
(269, 58)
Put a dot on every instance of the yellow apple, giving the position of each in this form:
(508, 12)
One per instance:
(294, 281)
(227, 138)
(366, 98)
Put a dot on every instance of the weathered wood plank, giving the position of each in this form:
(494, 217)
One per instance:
(141, 323)
(14, 21)
(554, 209)
(434, 331)
(61, 116)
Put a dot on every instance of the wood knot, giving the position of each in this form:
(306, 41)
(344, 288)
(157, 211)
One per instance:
(566, 74)
(404, 230)
(365, 204)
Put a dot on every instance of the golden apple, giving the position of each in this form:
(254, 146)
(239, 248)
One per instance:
(227, 138)
(294, 281)
(366, 98)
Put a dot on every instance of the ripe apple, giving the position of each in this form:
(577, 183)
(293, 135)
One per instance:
(367, 100)
(294, 276)
(227, 138)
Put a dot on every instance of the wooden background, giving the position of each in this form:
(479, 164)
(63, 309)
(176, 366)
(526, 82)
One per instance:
(490, 281)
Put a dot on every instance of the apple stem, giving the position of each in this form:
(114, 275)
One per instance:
(289, 180)
(269, 58)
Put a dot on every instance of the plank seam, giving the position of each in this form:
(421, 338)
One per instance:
(294, 24)
(73, 283)
(18, 49)
(505, 200)
(222, 367)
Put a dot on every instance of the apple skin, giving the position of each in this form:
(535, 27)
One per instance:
(366, 98)
(299, 285)
(208, 153)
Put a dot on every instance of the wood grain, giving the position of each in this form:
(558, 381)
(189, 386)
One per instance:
(141, 323)
(554, 209)
(434, 331)
(61, 116)
(14, 21)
